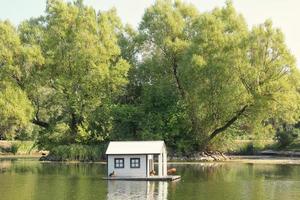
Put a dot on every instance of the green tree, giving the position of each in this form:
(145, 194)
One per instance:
(220, 73)
(192, 79)
(15, 60)
(15, 110)
(82, 75)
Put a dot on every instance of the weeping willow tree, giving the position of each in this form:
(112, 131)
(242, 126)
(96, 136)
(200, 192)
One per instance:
(206, 75)
(16, 61)
(74, 86)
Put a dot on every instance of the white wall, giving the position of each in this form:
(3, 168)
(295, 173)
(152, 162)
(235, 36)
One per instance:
(127, 171)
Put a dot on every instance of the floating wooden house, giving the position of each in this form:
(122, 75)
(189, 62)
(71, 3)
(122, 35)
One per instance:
(134, 160)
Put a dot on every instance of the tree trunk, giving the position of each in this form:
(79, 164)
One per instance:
(227, 124)
(178, 84)
(73, 127)
(75, 121)
(40, 123)
(191, 109)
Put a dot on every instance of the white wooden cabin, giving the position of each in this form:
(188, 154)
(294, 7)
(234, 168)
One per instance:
(135, 160)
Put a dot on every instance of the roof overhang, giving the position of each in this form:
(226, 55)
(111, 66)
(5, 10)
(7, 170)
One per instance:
(135, 147)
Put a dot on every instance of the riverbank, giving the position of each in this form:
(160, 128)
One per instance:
(200, 157)
(279, 153)
(96, 153)
(259, 159)
(195, 157)
(280, 157)
(8, 156)
(17, 147)
(263, 159)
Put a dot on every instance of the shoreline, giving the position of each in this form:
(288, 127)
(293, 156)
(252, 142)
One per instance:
(250, 159)
(247, 159)
(20, 156)
(264, 159)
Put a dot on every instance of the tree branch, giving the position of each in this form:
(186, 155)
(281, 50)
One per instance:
(40, 123)
(175, 73)
(228, 123)
(36, 119)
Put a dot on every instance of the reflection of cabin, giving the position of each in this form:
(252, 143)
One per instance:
(142, 190)
(135, 160)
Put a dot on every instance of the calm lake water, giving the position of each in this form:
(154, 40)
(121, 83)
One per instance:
(26, 179)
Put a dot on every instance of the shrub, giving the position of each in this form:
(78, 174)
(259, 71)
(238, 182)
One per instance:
(77, 152)
(286, 137)
(26, 147)
(248, 149)
(9, 147)
(14, 148)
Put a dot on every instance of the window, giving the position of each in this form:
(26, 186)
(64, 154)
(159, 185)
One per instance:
(135, 162)
(119, 162)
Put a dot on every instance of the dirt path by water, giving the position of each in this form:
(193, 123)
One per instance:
(265, 159)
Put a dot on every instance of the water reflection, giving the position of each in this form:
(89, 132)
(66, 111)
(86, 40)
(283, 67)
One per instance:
(26, 179)
(141, 190)
(4, 165)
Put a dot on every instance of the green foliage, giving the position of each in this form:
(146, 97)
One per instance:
(78, 152)
(196, 80)
(17, 147)
(286, 135)
(16, 110)
(247, 150)
(82, 75)
(222, 74)
(248, 147)
(26, 147)
(14, 148)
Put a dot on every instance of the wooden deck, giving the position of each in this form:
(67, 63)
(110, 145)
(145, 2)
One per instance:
(150, 178)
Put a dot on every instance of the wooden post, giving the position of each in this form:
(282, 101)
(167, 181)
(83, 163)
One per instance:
(165, 163)
(160, 166)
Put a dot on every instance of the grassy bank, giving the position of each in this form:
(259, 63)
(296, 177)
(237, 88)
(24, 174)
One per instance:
(295, 146)
(248, 147)
(73, 152)
(77, 152)
(251, 147)
(17, 147)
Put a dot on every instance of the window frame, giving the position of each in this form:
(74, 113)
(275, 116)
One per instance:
(119, 166)
(135, 165)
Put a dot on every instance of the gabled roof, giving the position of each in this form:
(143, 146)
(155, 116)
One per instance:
(135, 147)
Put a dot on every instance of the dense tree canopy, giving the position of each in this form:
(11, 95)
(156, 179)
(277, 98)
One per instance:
(189, 78)
(15, 60)
(209, 73)
(82, 74)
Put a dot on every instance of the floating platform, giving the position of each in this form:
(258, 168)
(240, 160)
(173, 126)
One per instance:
(150, 178)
